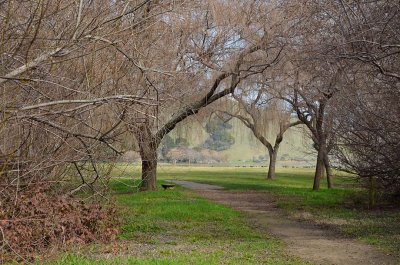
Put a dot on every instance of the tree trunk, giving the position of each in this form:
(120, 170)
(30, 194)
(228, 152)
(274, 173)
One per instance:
(272, 163)
(149, 174)
(319, 169)
(273, 154)
(148, 154)
(371, 192)
(323, 174)
(328, 170)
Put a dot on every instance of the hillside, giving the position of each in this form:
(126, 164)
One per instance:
(295, 146)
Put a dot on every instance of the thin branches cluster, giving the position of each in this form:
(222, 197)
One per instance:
(338, 77)
(67, 81)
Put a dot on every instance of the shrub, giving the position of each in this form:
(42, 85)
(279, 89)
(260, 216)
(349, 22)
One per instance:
(38, 219)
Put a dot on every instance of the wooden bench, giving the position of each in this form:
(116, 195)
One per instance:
(168, 186)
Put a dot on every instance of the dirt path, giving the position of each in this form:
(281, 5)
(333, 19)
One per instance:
(196, 186)
(304, 240)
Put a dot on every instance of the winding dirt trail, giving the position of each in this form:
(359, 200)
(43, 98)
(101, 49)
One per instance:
(306, 241)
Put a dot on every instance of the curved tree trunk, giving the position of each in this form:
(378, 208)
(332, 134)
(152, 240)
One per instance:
(148, 155)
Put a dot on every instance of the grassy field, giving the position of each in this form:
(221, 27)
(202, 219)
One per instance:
(343, 208)
(177, 227)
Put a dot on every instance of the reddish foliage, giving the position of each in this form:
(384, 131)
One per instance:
(39, 219)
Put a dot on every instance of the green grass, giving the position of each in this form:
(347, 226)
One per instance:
(342, 208)
(178, 227)
(291, 182)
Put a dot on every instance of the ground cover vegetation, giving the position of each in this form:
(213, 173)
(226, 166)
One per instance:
(344, 209)
(178, 227)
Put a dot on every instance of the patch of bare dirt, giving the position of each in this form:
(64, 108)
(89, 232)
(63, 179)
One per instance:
(304, 240)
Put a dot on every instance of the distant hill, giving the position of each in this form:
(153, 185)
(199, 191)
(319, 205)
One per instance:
(296, 148)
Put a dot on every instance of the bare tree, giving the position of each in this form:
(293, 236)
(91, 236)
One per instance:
(313, 115)
(368, 129)
(66, 90)
(264, 116)
(63, 96)
(215, 55)
(310, 79)
(341, 47)
(367, 118)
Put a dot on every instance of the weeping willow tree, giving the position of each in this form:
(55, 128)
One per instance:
(194, 57)
(265, 116)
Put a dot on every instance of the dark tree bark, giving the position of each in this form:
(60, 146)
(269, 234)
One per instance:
(323, 167)
(328, 170)
(272, 163)
(319, 170)
(148, 153)
(149, 174)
